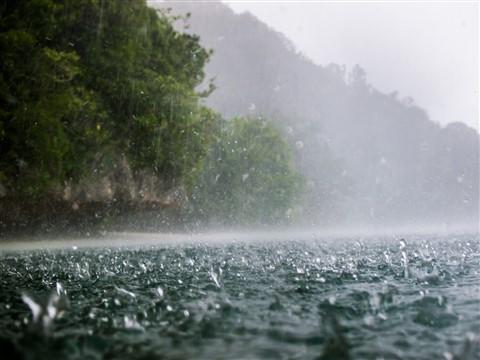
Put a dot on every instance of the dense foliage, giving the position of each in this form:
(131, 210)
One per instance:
(84, 81)
(88, 85)
(248, 175)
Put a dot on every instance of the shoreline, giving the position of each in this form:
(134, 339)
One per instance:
(130, 239)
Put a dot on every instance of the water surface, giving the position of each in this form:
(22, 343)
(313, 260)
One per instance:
(295, 298)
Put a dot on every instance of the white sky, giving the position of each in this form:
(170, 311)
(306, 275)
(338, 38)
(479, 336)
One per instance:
(426, 50)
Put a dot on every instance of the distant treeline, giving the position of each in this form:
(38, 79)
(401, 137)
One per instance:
(99, 103)
(366, 156)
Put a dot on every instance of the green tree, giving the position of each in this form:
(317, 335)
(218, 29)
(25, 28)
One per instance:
(248, 176)
(84, 82)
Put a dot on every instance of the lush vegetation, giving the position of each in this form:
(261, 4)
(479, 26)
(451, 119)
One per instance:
(86, 85)
(250, 156)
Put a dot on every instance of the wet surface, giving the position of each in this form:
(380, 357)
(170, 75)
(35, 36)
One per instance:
(364, 298)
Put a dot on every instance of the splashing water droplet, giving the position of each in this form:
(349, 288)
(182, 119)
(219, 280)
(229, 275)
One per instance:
(125, 292)
(403, 248)
(214, 277)
(60, 289)
(132, 323)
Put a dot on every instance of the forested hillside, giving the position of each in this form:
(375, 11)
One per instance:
(367, 156)
(100, 113)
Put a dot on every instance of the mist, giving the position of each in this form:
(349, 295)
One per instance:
(370, 156)
(425, 51)
(186, 180)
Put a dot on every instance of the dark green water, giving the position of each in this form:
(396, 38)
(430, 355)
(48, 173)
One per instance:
(369, 298)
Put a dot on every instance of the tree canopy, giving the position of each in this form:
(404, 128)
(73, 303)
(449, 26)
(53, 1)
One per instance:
(89, 85)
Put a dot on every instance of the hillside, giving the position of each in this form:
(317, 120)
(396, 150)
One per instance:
(101, 120)
(368, 156)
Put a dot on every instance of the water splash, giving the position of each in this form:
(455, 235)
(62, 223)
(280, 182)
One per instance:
(403, 249)
(125, 292)
(214, 277)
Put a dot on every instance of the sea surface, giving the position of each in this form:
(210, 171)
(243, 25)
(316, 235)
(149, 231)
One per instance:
(379, 297)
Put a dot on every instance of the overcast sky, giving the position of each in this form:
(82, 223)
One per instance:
(426, 50)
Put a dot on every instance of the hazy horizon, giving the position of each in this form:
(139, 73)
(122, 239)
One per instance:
(426, 51)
